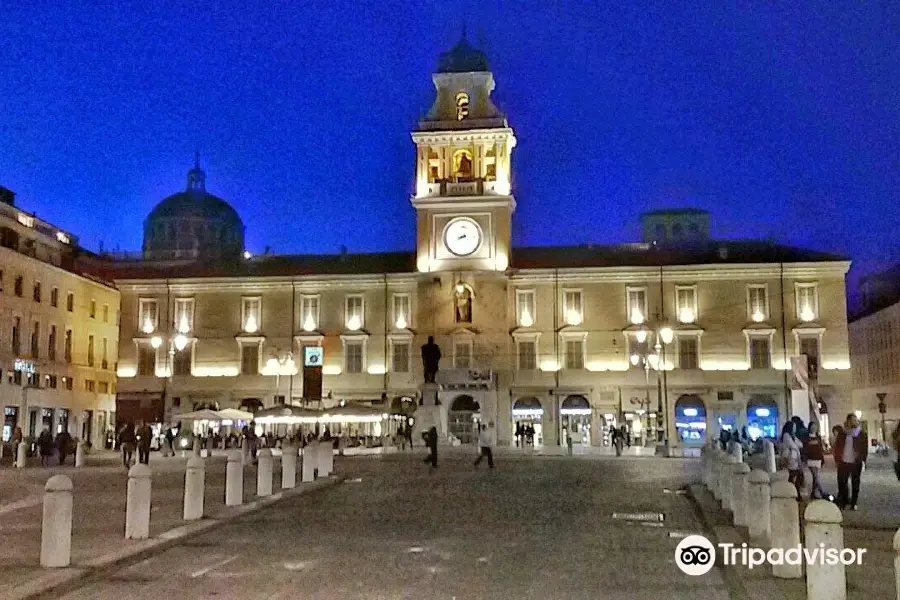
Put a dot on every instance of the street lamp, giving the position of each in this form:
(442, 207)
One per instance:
(278, 360)
(656, 360)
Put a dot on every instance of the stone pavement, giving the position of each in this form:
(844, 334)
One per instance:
(99, 512)
(534, 527)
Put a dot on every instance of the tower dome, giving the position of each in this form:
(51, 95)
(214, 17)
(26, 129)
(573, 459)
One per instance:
(193, 224)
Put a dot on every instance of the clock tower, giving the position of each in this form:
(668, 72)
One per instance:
(463, 197)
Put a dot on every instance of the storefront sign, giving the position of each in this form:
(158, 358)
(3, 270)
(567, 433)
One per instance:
(312, 356)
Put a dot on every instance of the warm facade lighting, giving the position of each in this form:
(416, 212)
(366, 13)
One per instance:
(180, 342)
(26, 220)
(637, 317)
(62, 237)
(573, 317)
(653, 359)
(376, 370)
(667, 335)
(251, 326)
(641, 335)
(635, 359)
(331, 370)
(525, 320)
(309, 324)
(353, 323)
(247, 255)
(686, 315)
(183, 325)
(758, 316)
(156, 341)
(807, 314)
(401, 322)
(148, 326)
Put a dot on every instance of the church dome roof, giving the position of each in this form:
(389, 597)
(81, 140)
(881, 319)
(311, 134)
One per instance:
(463, 58)
(194, 204)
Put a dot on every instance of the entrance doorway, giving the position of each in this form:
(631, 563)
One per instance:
(576, 420)
(463, 419)
(527, 416)
(690, 420)
(762, 417)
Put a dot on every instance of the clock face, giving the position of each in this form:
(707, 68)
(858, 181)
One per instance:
(462, 237)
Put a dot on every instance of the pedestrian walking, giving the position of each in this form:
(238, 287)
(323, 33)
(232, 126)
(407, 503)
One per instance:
(45, 446)
(143, 444)
(126, 440)
(814, 454)
(486, 442)
(63, 442)
(851, 449)
(431, 440)
(791, 455)
(617, 440)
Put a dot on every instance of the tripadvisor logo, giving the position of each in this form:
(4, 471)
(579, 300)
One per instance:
(695, 555)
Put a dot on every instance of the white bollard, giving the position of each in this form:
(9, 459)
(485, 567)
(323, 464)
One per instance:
(717, 474)
(737, 451)
(739, 493)
(288, 467)
(21, 455)
(310, 462)
(79, 454)
(234, 479)
(56, 527)
(264, 472)
(727, 485)
(137, 503)
(322, 459)
(329, 457)
(780, 475)
(194, 488)
(824, 532)
(759, 522)
(897, 562)
(245, 451)
(195, 449)
(785, 516)
(769, 452)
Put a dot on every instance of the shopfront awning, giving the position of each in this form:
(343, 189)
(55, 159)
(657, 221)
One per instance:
(287, 414)
(353, 413)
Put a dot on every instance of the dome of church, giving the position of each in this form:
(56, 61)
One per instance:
(462, 58)
(193, 224)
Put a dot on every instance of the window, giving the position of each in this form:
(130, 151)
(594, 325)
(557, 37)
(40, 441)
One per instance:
(90, 351)
(17, 377)
(104, 349)
(251, 314)
(527, 355)
(20, 285)
(309, 313)
(401, 311)
(688, 353)
(103, 387)
(89, 385)
(17, 336)
(760, 353)
(573, 308)
(686, 303)
(250, 359)
(637, 305)
(92, 310)
(807, 302)
(354, 317)
(639, 349)
(181, 365)
(69, 383)
(809, 345)
(525, 308)
(400, 353)
(146, 360)
(148, 315)
(33, 380)
(353, 356)
(51, 343)
(70, 302)
(35, 340)
(184, 315)
(67, 349)
(462, 355)
(36, 291)
(105, 313)
(574, 354)
(51, 382)
(54, 297)
(757, 302)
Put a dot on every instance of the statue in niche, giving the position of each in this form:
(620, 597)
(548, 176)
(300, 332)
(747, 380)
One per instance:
(463, 304)
(431, 356)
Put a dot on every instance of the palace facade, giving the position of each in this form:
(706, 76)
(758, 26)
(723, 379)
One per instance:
(674, 336)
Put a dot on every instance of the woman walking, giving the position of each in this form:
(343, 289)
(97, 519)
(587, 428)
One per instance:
(431, 440)
(814, 452)
(790, 455)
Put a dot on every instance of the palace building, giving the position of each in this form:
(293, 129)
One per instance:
(673, 336)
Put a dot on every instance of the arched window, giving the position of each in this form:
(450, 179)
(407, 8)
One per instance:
(462, 106)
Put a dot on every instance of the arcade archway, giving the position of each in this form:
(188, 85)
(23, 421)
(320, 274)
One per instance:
(527, 416)
(690, 420)
(762, 417)
(463, 418)
(576, 420)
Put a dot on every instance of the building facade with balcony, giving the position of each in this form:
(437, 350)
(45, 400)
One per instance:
(59, 331)
(875, 353)
(682, 335)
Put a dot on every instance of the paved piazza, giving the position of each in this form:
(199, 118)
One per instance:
(535, 527)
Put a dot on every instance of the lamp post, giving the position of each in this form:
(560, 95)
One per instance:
(656, 360)
(278, 360)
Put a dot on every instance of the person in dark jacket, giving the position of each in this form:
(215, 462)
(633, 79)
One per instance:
(45, 447)
(63, 441)
(814, 454)
(127, 440)
(851, 449)
(143, 445)
(431, 440)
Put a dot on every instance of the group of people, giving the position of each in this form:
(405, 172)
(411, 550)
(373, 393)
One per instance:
(485, 445)
(620, 437)
(801, 447)
(524, 435)
(131, 438)
(47, 445)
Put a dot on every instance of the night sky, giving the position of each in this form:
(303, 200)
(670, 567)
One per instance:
(782, 121)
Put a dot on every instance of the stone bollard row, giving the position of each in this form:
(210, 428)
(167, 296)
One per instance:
(137, 503)
(716, 474)
(21, 455)
(264, 464)
(758, 508)
(234, 478)
(824, 533)
(310, 462)
(739, 493)
(56, 526)
(288, 467)
(727, 485)
(769, 453)
(79, 454)
(785, 526)
(194, 488)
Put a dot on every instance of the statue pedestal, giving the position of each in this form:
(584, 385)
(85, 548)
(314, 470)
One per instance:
(430, 414)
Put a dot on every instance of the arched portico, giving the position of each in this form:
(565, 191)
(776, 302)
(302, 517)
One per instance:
(576, 419)
(463, 418)
(527, 417)
(690, 420)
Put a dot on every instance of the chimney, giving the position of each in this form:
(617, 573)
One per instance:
(7, 196)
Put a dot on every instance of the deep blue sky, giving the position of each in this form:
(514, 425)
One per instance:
(782, 121)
